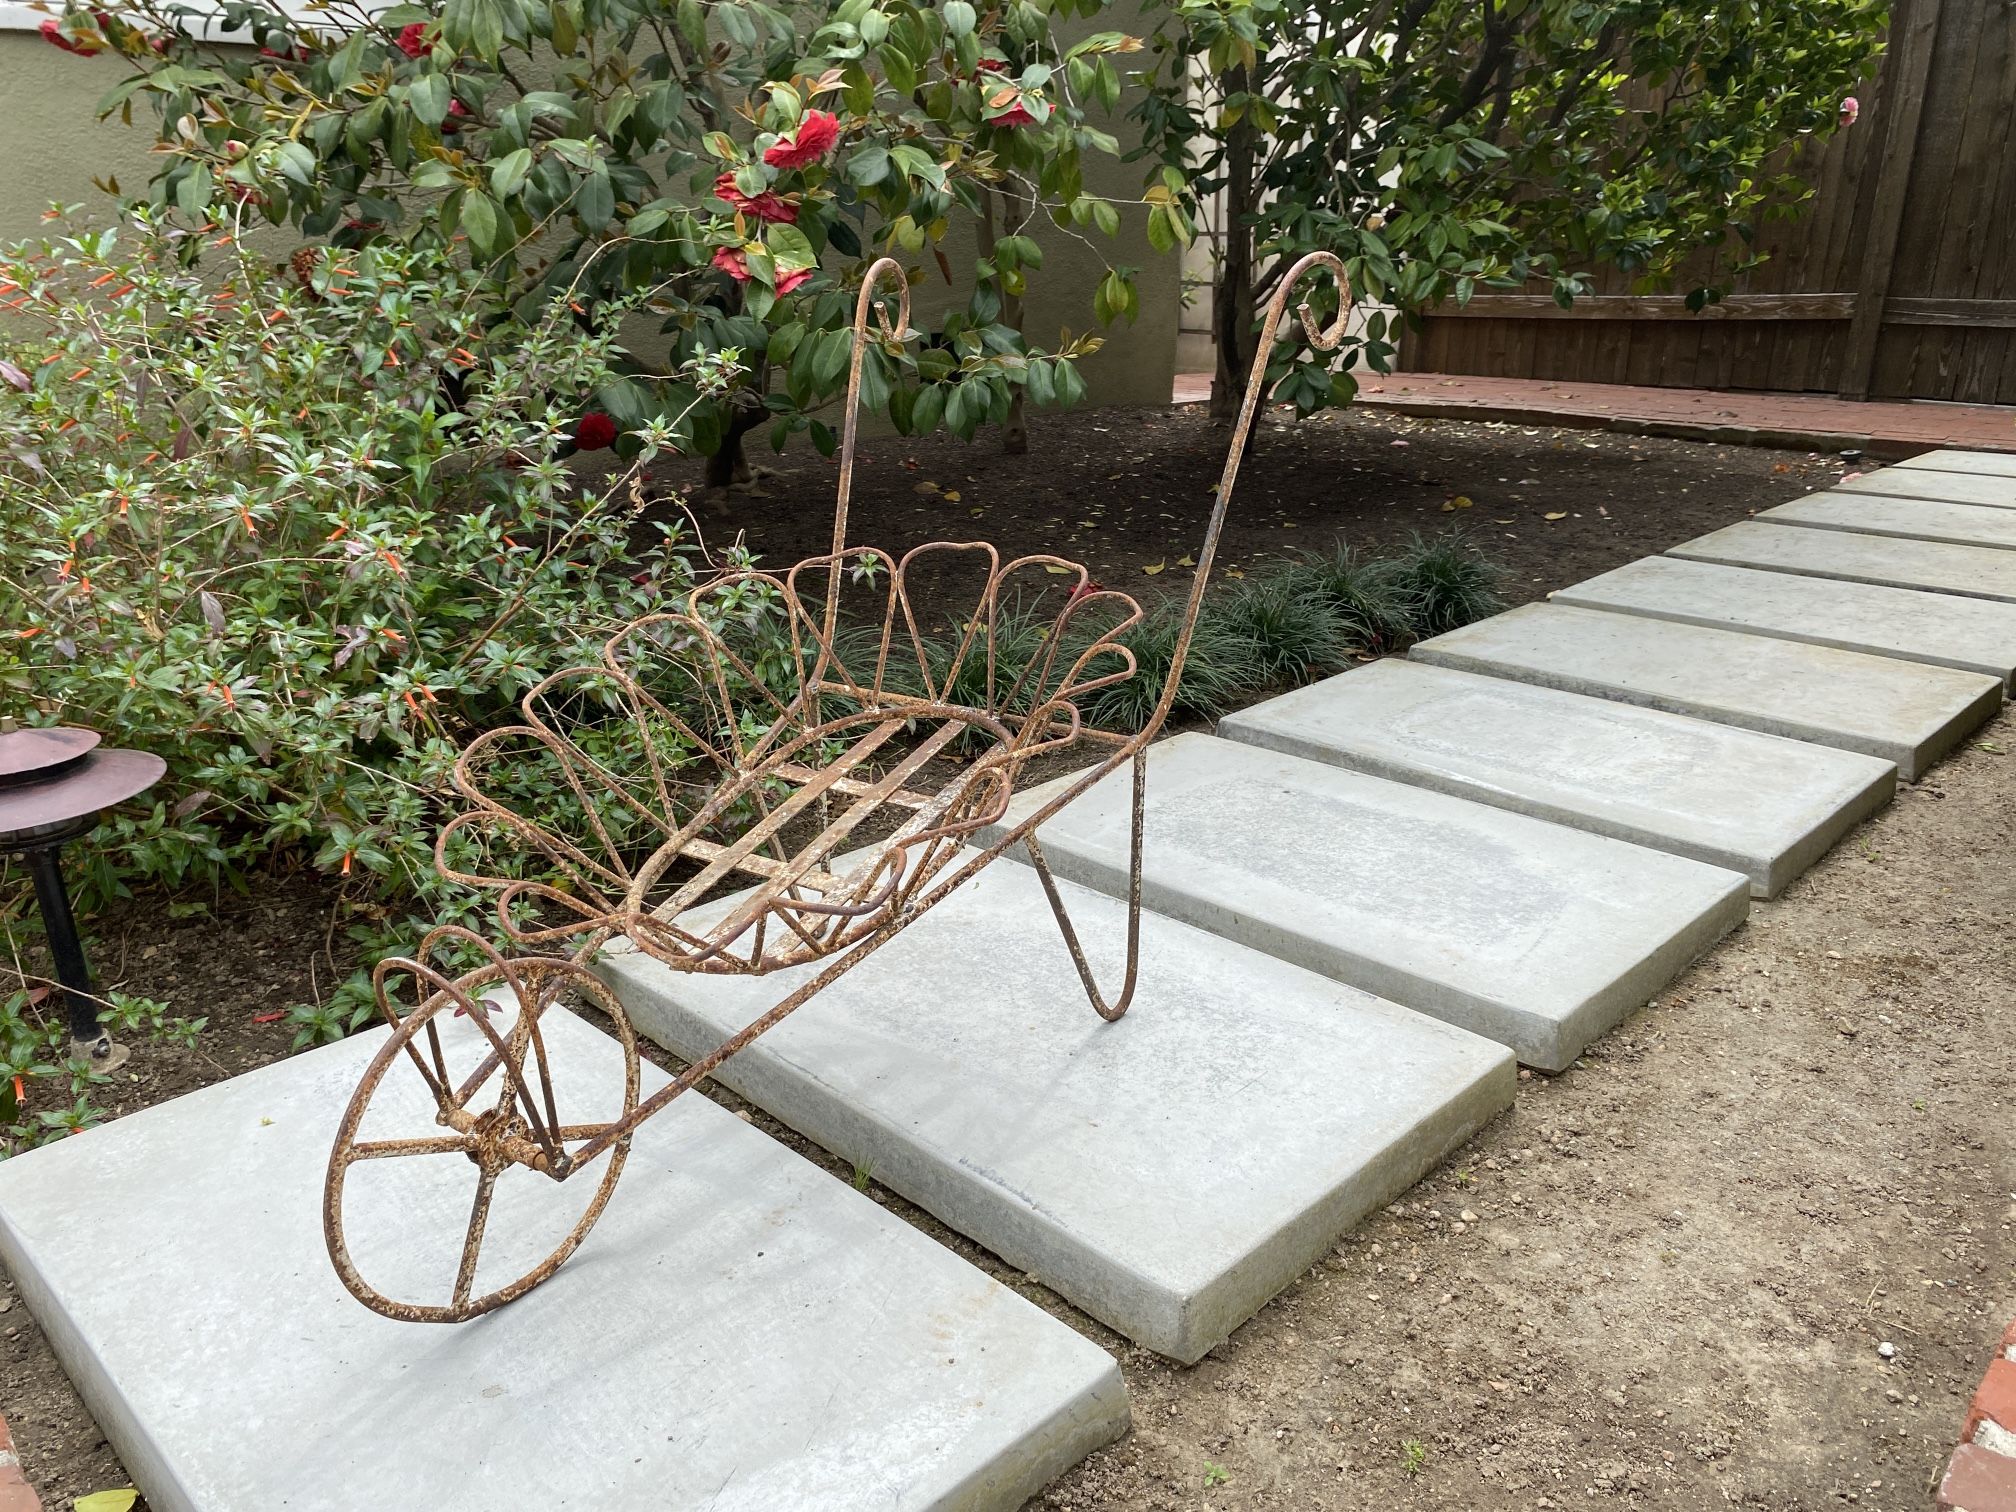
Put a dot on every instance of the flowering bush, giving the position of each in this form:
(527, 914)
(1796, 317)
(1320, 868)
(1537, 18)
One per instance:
(739, 158)
(297, 534)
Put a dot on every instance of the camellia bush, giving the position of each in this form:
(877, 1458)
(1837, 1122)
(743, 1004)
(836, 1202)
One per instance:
(739, 159)
(1444, 146)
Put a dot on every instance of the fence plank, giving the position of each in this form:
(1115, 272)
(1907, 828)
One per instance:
(1823, 306)
(1913, 43)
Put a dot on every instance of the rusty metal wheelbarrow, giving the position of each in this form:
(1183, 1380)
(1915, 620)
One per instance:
(845, 808)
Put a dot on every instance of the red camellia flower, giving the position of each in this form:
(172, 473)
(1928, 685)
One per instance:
(52, 33)
(594, 431)
(1015, 115)
(813, 139)
(1086, 589)
(765, 206)
(735, 264)
(457, 112)
(413, 40)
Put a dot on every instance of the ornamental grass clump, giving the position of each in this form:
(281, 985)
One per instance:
(302, 532)
(1294, 634)
(1443, 582)
(1361, 592)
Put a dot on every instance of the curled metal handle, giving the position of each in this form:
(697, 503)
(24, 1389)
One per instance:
(1329, 337)
(881, 271)
(1325, 339)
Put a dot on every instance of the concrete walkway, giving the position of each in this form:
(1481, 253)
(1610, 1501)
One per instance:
(1804, 422)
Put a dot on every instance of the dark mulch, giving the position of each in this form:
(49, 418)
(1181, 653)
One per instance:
(1123, 490)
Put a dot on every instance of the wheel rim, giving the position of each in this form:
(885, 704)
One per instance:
(488, 1090)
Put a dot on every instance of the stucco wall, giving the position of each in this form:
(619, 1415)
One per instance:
(51, 142)
(51, 146)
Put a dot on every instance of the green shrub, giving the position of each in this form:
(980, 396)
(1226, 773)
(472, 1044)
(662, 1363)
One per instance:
(1222, 667)
(1443, 582)
(291, 532)
(1294, 635)
(1361, 591)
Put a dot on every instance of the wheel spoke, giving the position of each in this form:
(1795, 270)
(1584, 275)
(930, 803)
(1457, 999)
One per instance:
(385, 1149)
(472, 1246)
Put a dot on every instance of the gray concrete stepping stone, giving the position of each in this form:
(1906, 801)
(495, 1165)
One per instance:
(1918, 519)
(1902, 712)
(1972, 571)
(739, 1331)
(1972, 634)
(1168, 1172)
(1987, 464)
(1531, 934)
(1923, 483)
(1753, 803)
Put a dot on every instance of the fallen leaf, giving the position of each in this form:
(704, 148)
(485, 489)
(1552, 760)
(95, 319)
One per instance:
(1186, 560)
(951, 496)
(1559, 514)
(1055, 571)
(1461, 501)
(975, 513)
(1234, 572)
(267, 1018)
(107, 1501)
(924, 488)
(1151, 571)
(1504, 522)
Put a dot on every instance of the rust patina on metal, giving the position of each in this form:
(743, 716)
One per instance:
(766, 793)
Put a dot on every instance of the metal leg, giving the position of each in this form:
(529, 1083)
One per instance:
(88, 1040)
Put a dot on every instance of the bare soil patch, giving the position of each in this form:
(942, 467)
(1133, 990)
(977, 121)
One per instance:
(1683, 1252)
(1124, 490)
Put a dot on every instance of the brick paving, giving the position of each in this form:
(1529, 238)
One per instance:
(16, 1495)
(1806, 422)
(1981, 1476)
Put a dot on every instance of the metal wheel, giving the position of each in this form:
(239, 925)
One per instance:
(466, 1080)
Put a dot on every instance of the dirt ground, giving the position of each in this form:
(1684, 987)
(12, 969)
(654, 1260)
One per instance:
(1661, 1279)
(1126, 490)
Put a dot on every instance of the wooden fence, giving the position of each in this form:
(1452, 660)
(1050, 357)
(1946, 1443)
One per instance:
(1898, 281)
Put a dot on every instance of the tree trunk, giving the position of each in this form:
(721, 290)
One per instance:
(730, 463)
(1232, 294)
(1014, 429)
